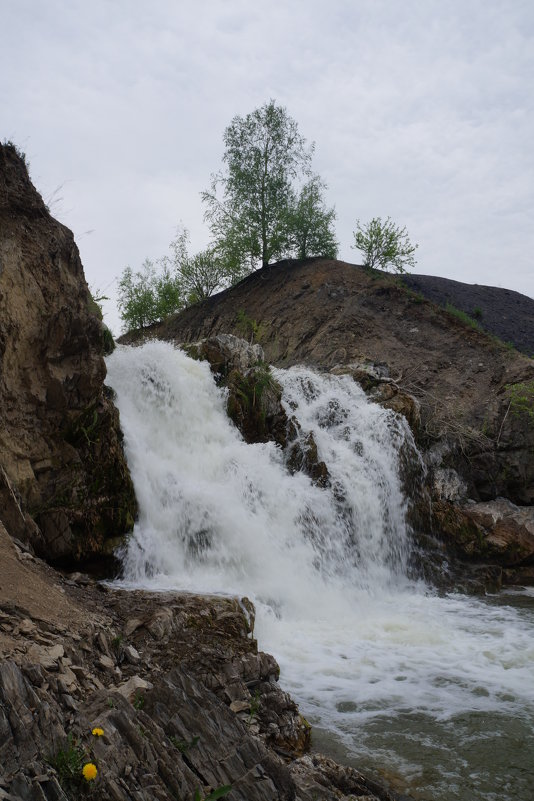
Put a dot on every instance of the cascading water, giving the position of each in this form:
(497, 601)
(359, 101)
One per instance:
(398, 674)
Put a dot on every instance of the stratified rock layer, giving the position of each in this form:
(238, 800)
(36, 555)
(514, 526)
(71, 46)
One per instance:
(64, 483)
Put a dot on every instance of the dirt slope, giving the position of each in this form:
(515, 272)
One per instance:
(507, 314)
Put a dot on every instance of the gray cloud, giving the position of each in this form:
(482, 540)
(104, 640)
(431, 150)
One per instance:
(420, 110)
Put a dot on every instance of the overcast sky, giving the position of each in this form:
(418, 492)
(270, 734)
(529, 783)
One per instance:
(421, 110)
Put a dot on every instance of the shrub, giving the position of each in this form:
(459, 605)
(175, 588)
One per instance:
(522, 398)
(68, 762)
(384, 245)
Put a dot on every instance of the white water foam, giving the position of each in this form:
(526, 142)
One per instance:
(355, 638)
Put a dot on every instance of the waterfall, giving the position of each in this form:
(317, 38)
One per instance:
(364, 649)
(217, 514)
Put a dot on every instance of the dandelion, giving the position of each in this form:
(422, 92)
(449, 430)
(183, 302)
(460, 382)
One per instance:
(89, 771)
(97, 732)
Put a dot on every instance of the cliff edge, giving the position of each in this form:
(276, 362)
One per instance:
(64, 483)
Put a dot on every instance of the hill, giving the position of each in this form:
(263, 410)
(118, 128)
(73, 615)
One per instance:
(330, 314)
(507, 314)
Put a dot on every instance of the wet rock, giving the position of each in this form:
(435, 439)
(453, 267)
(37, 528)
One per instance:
(302, 455)
(377, 383)
(254, 397)
(316, 777)
(226, 352)
(495, 532)
(254, 405)
(508, 530)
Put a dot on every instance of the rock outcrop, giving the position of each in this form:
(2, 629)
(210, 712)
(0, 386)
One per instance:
(64, 484)
(494, 531)
(254, 401)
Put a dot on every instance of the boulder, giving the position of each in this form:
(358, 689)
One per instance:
(254, 396)
(226, 352)
(495, 532)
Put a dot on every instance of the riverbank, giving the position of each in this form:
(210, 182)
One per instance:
(175, 681)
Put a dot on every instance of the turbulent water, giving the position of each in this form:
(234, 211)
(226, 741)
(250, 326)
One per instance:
(438, 691)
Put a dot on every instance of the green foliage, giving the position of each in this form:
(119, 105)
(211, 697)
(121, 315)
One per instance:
(164, 287)
(95, 302)
(311, 224)
(522, 398)
(68, 763)
(384, 245)
(203, 274)
(249, 204)
(461, 315)
(262, 379)
(249, 328)
(138, 701)
(218, 793)
(184, 746)
(477, 313)
(146, 296)
(108, 343)
(251, 388)
(96, 299)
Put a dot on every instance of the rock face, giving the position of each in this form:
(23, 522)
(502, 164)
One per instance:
(254, 397)
(64, 483)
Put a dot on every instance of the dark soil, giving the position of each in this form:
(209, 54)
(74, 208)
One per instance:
(502, 312)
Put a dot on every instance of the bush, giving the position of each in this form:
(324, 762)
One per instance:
(384, 245)
(167, 286)
(148, 296)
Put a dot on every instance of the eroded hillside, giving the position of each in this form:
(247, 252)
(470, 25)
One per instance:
(330, 313)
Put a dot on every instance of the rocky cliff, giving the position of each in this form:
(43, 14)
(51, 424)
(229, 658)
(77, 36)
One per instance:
(64, 484)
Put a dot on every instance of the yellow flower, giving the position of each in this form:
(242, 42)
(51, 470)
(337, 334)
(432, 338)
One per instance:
(98, 732)
(89, 771)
